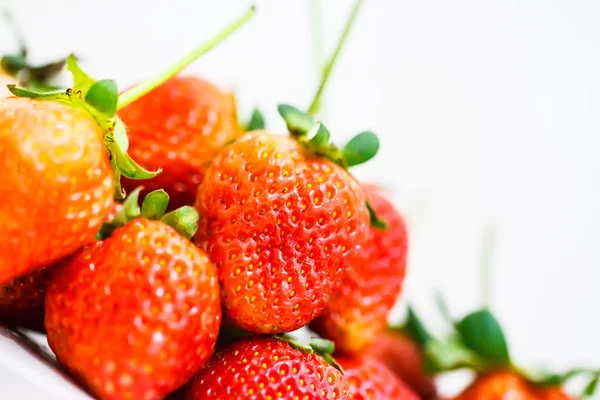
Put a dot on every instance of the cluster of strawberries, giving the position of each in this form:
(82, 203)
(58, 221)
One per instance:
(242, 236)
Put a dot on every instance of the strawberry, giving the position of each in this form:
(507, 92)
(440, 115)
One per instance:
(135, 315)
(357, 311)
(267, 368)
(180, 126)
(57, 183)
(405, 359)
(371, 379)
(56, 149)
(278, 222)
(502, 384)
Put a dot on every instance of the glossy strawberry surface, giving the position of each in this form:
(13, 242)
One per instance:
(279, 223)
(357, 311)
(57, 184)
(135, 316)
(179, 127)
(369, 379)
(264, 368)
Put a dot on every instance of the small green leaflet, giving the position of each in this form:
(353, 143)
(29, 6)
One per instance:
(155, 204)
(361, 148)
(129, 211)
(298, 122)
(375, 220)
(257, 121)
(103, 96)
(184, 220)
(481, 332)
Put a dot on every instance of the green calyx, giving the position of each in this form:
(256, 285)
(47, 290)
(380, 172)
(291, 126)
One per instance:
(318, 346)
(477, 342)
(18, 66)
(184, 220)
(315, 137)
(101, 100)
(257, 121)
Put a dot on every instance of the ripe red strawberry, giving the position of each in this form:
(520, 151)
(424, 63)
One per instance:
(136, 315)
(370, 379)
(278, 222)
(267, 368)
(57, 183)
(180, 126)
(405, 359)
(357, 311)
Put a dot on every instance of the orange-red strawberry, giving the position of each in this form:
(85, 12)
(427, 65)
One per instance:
(371, 379)
(498, 385)
(267, 368)
(278, 222)
(57, 183)
(405, 359)
(358, 309)
(180, 126)
(136, 315)
(504, 384)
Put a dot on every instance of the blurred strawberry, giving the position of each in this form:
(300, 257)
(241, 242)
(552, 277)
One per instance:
(357, 311)
(405, 358)
(267, 368)
(137, 314)
(371, 379)
(180, 127)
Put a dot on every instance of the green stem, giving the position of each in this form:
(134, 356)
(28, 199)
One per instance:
(314, 107)
(138, 91)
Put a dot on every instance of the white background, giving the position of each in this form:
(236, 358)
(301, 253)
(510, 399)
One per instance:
(488, 113)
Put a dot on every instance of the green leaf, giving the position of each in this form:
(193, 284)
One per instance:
(155, 204)
(298, 122)
(590, 388)
(449, 355)
(415, 329)
(184, 220)
(376, 222)
(322, 346)
(320, 136)
(361, 148)
(58, 95)
(103, 96)
(482, 333)
(129, 211)
(82, 82)
(116, 143)
(257, 121)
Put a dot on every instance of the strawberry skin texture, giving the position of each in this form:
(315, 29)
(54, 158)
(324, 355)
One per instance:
(263, 368)
(405, 359)
(57, 185)
(135, 316)
(22, 299)
(370, 379)
(372, 280)
(179, 127)
(278, 223)
(502, 385)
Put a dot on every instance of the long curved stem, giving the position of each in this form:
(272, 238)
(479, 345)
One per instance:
(145, 87)
(314, 106)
